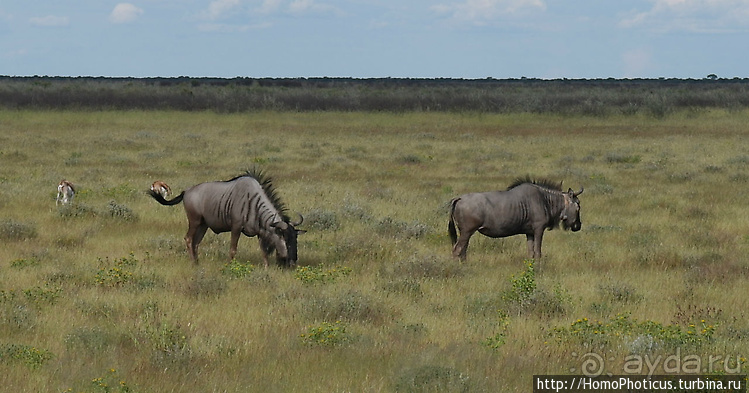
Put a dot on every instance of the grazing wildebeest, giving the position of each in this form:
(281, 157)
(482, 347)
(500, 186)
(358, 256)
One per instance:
(527, 207)
(245, 204)
(161, 188)
(65, 192)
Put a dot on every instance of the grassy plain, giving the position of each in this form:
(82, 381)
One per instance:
(101, 296)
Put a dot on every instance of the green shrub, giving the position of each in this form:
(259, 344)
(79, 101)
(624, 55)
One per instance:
(627, 331)
(523, 286)
(110, 383)
(498, 339)
(320, 274)
(236, 269)
(326, 334)
(30, 356)
(22, 263)
(116, 273)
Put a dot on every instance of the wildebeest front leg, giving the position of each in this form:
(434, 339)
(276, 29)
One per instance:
(461, 246)
(263, 250)
(530, 240)
(234, 241)
(534, 245)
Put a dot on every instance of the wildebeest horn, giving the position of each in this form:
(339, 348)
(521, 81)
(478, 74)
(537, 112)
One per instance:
(279, 224)
(579, 192)
(301, 220)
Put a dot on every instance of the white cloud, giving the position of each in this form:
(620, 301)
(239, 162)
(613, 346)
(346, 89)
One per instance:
(269, 6)
(302, 6)
(125, 13)
(227, 28)
(219, 8)
(50, 21)
(691, 15)
(482, 11)
(295, 7)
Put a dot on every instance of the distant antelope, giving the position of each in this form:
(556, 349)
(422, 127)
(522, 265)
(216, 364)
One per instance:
(161, 188)
(65, 192)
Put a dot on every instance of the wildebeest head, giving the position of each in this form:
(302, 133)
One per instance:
(570, 217)
(288, 236)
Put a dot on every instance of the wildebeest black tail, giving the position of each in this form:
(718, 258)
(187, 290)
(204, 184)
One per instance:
(160, 199)
(451, 224)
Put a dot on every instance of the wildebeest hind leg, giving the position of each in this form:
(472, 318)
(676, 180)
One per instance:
(461, 246)
(193, 238)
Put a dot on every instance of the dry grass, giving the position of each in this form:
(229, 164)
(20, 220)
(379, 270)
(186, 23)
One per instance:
(664, 227)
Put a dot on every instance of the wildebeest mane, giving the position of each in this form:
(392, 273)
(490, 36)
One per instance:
(545, 183)
(266, 182)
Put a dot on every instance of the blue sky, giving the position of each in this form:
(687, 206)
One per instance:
(376, 38)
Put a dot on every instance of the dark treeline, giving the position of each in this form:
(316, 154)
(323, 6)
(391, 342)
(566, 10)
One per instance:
(592, 97)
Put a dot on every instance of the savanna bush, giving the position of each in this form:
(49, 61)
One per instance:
(122, 212)
(322, 220)
(356, 211)
(91, 339)
(349, 305)
(77, 210)
(421, 266)
(432, 378)
(13, 230)
(401, 229)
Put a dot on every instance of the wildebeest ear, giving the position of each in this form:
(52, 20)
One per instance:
(569, 191)
(300, 231)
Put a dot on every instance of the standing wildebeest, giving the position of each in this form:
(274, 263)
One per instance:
(527, 207)
(245, 204)
(65, 192)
